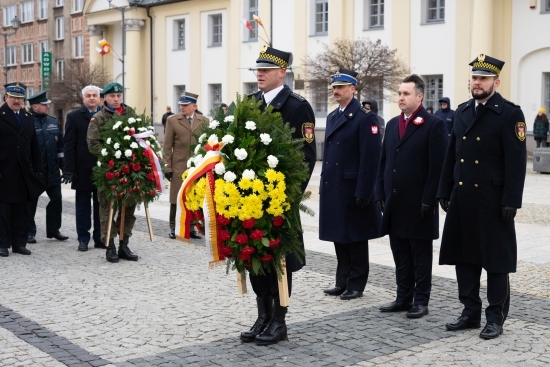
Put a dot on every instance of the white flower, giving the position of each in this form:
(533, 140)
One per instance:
(134, 145)
(250, 125)
(228, 139)
(116, 146)
(128, 152)
(150, 127)
(265, 138)
(104, 152)
(272, 161)
(190, 162)
(219, 168)
(197, 159)
(127, 137)
(117, 125)
(241, 154)
(214, 124)
(229, 118)
(147, 142)
(118, 153)
(248, 173)
(108, 140)
(213, 138)
(98, 163)
(142, 129)
(131, 120)
(138, 119)
(159, 154)
(197, 148)
(229, 176)
(201, 138)
(126, 128)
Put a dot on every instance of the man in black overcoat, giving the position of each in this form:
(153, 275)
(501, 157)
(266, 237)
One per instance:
(349, 216)
(271, 65)
(481, 188)
(410, 166)
(79, 163)
(21, 170)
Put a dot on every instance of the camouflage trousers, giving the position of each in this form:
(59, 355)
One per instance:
(129, 218)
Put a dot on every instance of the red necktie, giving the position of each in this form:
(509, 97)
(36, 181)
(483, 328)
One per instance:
(402, 127)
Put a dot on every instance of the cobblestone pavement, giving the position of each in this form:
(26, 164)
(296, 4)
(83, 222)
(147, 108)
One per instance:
(63, 307)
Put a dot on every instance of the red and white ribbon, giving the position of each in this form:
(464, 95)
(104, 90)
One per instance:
(153, 159)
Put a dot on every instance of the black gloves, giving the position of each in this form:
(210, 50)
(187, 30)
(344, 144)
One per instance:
(67, 178)
(168, 175)
(426, 211)
(444, 204)
(361, 203)
(39, 175)
(381, 204)
(508, 213)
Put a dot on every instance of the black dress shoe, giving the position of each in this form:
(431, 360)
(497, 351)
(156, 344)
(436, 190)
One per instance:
(21, 250)
(100, 245)
(336, 291)
(491, 331)
(31, 239)
(417, 311)
(4, 252)
(83, 246)
(395, 306)
(58, 236)
(195, 235)
(172, 234)
(348, 294)
(463, 323)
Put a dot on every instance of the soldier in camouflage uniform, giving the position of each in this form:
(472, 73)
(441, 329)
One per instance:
(112, 105)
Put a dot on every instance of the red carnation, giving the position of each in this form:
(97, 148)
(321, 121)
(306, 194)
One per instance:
(146, 152)
(266, 258)
(224, 235)
(274, 243)
(109, 175)
(113, 188)
(117, 174)
(241, 239)
(226, 251)
(153, 192)
(247, 265)
(249, 223)
(223, 220)
(111, 163)
(248, 250)
(242, 256)
(125, 169)
(151, 176)
(132, 131)
(257, 234)
(136, 167)
(278, 221)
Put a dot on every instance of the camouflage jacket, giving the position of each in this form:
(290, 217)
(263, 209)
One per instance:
(97, 123)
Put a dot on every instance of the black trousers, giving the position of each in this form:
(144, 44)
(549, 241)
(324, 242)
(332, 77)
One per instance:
(84, 212)
(352, 270)
(268, 285)
(413, 269)
(53, 211)
(14, 225)
(498, 293)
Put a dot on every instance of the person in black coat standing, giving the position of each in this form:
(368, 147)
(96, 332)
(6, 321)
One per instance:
(21, 170)
(348, 214)
(481, 189)
(408, 177)
(446, 114)
(79, 163)
(271, 65)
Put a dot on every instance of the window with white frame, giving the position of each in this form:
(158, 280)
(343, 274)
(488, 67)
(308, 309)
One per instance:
(178, 90)
(433, 90)
(250, 88)
(321, 17)
(9, 14)
(216, 30)
(59, 28)
(30, 91)
(252, 11)
(546, 93)
(179, 36)
(375, 13)
(77, 6)
(59, 2)
(545, 6)
(78, 47)
(27, 12)
(12, 56)
(435, 11)
(319, 99)
(60, 69)
(215, 96)
(42, 9)
(43, 47)
(27, 53)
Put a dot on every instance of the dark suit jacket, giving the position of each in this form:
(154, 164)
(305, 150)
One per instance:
(78, 159)
(408, 176)
(19, 158)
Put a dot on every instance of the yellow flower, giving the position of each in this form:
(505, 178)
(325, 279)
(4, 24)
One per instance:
(245, 183)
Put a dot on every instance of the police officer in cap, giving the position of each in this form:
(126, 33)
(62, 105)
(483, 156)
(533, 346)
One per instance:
(50, 141)
(271, 65)
(481, 188)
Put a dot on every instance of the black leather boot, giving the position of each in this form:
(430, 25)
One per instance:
(110, 254)
(124, 252)
(276, 329)
(265, 309)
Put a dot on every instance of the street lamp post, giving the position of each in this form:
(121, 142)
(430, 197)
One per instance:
(133, 4)
(15, 22)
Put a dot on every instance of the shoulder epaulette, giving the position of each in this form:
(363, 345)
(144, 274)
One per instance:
(463, 103)
(512, 103)
(297, 96)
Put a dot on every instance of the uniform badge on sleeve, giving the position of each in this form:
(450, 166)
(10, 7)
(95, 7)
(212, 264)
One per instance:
(520, 130)
(374, 130)
(308, 131)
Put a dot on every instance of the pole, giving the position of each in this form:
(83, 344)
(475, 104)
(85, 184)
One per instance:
(5, 56)
(123, 10)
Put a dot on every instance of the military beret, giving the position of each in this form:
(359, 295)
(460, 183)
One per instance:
(39, 98)
(113, 87)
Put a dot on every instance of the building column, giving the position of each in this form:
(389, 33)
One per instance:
(132, 63)
(482, 28)
(96, 34)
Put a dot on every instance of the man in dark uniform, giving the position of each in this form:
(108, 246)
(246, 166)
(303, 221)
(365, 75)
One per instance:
(348, 214)
(20, 170)
(50, 141)
(481, 188)
(166, 115)
(446, 114)
(79, 175)
(408, 176)
(271, 66)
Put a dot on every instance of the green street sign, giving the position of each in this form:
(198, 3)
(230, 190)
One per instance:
(46, 68)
